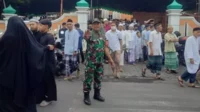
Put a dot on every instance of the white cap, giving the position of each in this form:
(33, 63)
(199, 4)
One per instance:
(105, 19)
(121, 24)
(34, 20)
(131, 25)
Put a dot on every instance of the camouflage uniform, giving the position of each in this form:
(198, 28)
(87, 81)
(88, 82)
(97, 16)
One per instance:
(94, 61)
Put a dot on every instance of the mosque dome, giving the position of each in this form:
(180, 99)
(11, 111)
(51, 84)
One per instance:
(9, 10)
(175, 5)
(82, 3)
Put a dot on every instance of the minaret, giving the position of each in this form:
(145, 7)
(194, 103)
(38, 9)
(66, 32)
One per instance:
(83, 11)
(174, 12)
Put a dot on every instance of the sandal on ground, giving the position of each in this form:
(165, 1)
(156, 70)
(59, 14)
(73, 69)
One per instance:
(168, 72)
(117, 76)
(174, 71)
(159, 78)
(180, 82)
(143, 72)
(68, 78)
(194, 86)
(197, 82)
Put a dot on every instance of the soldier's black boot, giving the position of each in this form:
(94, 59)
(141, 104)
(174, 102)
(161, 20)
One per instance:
(87, 100)
(97, 95)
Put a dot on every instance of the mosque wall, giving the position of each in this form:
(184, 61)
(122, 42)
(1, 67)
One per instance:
(126, 16)
(2, 26)
(187, 23)
(115, 15)
(56, 24)
(158, 17)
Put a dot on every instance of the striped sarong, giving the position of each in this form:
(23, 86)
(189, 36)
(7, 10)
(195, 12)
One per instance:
(171, 60)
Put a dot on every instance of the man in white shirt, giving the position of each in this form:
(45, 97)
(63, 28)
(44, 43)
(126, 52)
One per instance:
(155, 53)
(129, 35)
(71, 49)
(192, 59)
(114, 38)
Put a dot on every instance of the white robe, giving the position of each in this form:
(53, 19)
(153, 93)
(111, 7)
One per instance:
(192, 51)
(123, 43)
(132, 47)
(139, 48)
(133, 40)
(129, 38)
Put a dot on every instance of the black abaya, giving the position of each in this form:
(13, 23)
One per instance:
(22, 65)
(37, 35)
(47, 90)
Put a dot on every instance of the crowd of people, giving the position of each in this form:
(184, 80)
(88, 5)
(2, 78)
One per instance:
(28, 61)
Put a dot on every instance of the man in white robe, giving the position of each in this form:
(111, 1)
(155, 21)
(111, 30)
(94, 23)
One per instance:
(132, 46)
(192, 59)
(129, 42)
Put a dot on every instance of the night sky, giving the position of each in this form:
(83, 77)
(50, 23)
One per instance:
(43, 6)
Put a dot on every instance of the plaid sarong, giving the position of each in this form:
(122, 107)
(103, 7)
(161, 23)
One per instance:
(154, 64)
(71, 64)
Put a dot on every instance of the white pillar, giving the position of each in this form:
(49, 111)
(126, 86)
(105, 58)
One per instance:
(118, 15)
(174, 18)
(82, 14)
(114, 15)
(94, 13)
(103, 13)
(7, 16)
(106, 14)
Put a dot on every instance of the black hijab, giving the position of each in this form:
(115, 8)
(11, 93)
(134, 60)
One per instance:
(21, 61)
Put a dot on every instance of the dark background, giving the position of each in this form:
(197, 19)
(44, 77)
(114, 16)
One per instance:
(42, 6)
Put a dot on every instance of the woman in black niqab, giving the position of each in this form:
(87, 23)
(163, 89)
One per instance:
(22, 65)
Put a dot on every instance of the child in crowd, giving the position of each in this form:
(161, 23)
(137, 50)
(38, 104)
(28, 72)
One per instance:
(139, 54)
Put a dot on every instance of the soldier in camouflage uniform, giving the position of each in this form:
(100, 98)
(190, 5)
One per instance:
(96, 46)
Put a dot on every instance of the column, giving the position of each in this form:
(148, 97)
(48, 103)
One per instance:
(82, 14)
(174, 18)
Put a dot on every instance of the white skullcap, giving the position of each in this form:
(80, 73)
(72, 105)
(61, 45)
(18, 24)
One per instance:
(121, 24)
(105, 19)
(34, 20)
(131, 25)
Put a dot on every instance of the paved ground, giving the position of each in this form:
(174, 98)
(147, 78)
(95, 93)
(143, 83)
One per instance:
(132, 93)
